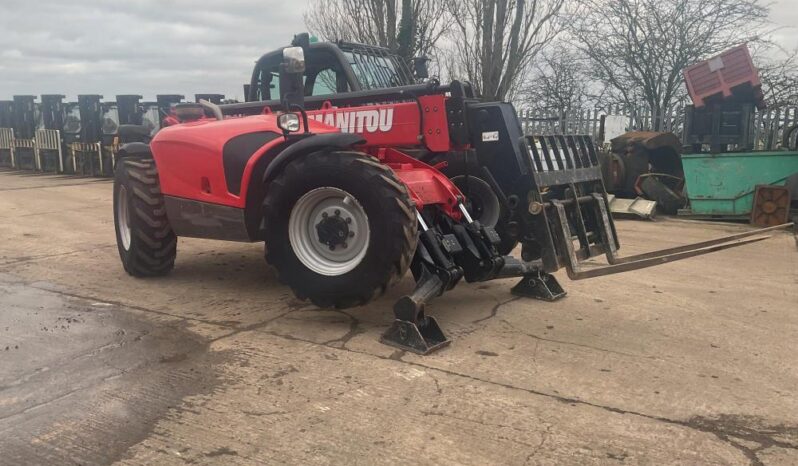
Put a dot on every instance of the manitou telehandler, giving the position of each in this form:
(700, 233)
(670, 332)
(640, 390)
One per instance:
(352, 174)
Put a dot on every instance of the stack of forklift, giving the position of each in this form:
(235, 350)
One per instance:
(79, 137)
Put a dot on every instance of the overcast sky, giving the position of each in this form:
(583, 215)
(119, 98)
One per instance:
(153, 47)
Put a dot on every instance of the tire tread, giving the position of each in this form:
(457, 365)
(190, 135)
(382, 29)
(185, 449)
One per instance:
(153, 243)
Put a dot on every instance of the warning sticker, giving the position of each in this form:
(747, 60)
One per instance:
(490, 136)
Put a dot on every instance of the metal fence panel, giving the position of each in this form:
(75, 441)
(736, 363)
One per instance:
(769, 124)
(86, 147)
(50, 139)
(29, 144)
(7, 143)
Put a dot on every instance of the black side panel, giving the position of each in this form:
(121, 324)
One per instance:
(495, 132)
(196, 219)
(237, 152)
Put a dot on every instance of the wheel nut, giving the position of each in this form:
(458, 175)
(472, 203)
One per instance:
(344, 245)
(332, 247)
(348, 220)
(337, 212)
(351, 234)
(324, 215)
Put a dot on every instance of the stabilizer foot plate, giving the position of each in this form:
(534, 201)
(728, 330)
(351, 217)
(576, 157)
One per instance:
(539, 286)
(419, 339)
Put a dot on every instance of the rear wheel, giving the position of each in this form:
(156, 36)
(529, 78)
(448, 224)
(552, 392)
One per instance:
(340, 228)
(145, 240)
(481, 201)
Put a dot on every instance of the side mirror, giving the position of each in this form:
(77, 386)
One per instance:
(294, 59)
(420, 70)
(292, 88)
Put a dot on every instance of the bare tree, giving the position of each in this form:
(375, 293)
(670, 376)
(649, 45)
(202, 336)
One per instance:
(778, 71)
(492, 42)
(408, 27)
(558, 81)
(639, 48)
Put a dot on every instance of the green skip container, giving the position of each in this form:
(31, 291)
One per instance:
(722, 185)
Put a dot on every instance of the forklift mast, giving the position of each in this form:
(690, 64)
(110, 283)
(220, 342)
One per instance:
(6, 113)
(129, 108)
(52, 110)
(90, 118)
(24, 116)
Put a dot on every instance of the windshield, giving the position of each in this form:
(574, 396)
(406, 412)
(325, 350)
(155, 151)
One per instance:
(375, 70)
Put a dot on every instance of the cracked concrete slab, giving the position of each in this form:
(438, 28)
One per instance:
(692, 362)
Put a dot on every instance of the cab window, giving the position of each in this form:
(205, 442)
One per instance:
(325, 81)
(267, 83)
(323, 76)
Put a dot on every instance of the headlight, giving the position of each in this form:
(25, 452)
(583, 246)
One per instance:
(288, 122)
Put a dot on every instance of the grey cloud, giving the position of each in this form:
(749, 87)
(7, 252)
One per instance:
(163, 46)
(147, 46)
(784, 14)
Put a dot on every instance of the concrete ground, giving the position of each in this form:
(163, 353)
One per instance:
(692, 362)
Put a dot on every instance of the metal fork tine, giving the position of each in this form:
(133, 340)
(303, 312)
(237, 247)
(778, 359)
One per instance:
(576, 274)
(642, 261)
(702, 244)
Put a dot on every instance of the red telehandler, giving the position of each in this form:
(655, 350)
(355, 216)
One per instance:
(352, 174)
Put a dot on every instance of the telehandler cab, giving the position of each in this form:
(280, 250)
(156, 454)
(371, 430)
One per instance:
(352, 173)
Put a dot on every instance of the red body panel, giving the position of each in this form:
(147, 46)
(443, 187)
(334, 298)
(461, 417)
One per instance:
(189, 156)
(426, 184)
(393, 125)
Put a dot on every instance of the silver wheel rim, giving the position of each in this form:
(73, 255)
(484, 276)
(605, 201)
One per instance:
(309, 212)
(123, 218)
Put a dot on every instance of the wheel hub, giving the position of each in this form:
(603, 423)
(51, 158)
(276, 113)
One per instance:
(329, 231)
(334, 230)
(474, 205)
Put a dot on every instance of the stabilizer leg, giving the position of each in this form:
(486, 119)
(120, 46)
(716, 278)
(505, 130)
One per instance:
(535, 282)
(539, 285)
(412, 330)
(422, 338)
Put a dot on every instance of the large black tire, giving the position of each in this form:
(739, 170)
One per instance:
(148, 246)
(391, 221)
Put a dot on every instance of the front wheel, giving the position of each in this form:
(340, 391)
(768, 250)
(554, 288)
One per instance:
(340, 228)
(147, 245)
(481, 200)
